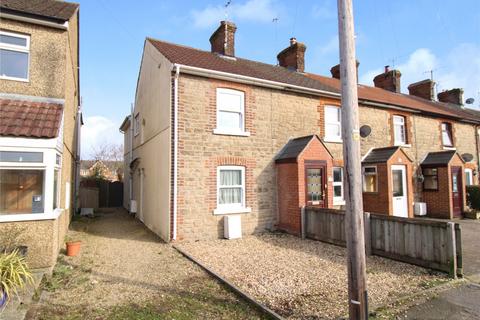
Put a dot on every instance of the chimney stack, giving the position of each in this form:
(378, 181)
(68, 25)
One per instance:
(454, 96)
(335, 71)
(223, 39)
(293, 57)
(423, 89)
(389, 80)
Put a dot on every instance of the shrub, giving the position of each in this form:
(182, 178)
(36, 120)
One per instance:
(473, 197)
(14, 273)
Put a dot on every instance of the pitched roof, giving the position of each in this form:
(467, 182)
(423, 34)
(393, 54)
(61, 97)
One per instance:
(21, 118)
(380, 155)
(439, 157)
(58, 10)
(293, 148)
(207, 60)
(212, 61)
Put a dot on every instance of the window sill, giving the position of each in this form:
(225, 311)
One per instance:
(403, 145)
(332, 140)
(31, 216)
(14, 79)
(231, 211)
(449, 148)
(231, 133)
(338, 202)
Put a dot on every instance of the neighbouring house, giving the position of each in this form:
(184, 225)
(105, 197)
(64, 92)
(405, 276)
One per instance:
(213, 135)
(40, 123)
(107, 169)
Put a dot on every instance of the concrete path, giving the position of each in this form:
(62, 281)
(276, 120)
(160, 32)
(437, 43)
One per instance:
(462, 302)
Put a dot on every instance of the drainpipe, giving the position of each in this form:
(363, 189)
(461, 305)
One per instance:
(175, 149)
(130, 178)
(76, 191)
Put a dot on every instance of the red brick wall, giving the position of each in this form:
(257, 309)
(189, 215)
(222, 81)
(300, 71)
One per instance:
(438, 202)
(380, 201)
(288, 204)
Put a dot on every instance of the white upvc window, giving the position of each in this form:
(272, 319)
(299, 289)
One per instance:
(231, 190)
(333, 124)
(468, 177)
(337, 184)
(230, 112)
(399, 132)
(447, 136)
(136, 125)
(14, 56)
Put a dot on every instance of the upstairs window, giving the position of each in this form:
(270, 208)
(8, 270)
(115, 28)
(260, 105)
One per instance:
(447, 137)
(14, 56)
(333, 125)
(399, 132)
(370, 179)
(230, 112)
(136, 125)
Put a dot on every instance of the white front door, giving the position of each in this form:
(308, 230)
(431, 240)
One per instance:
(399, 191)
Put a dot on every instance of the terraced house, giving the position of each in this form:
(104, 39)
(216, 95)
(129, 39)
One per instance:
(39, 124)
(218, 140)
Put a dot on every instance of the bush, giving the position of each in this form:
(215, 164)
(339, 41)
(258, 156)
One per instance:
(473, 197)
(14, 273)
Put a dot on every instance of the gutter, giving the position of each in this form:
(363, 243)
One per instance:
(175, 149)
(253, 81)
(15, 17)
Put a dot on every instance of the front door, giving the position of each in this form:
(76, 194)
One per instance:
(315, 185)
(457, 191)
(399, 191)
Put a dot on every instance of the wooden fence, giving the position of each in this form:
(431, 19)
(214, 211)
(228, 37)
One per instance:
(425, 242)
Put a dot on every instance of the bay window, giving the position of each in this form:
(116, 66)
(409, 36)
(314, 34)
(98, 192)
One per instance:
(14, 56)
(21, 191)
(333, 125)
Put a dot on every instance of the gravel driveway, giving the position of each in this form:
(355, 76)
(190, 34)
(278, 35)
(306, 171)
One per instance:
(304, 279)
(125, 272)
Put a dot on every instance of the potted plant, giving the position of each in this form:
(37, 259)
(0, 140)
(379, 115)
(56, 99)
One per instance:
(14, 275)
(73, 247)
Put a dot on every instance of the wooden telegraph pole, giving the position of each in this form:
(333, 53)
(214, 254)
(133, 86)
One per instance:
(357, 284)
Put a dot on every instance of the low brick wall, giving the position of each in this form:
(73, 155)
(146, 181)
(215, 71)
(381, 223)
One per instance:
(44, 238)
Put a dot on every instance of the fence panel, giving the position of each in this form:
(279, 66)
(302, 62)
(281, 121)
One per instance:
(428, 243)
(88, 197)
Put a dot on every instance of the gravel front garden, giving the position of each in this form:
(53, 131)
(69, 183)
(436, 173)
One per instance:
(305, 279)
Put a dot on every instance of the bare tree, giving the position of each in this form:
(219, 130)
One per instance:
(111, 155)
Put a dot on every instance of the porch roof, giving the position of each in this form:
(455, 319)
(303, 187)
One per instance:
(439, 158)
(30, 119)
(293, 148)
(379, 155)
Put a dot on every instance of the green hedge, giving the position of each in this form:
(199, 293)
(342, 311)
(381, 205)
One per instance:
(473, 197)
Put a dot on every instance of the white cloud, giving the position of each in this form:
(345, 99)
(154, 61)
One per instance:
(96, 131)
(460, 68)
(251, 10)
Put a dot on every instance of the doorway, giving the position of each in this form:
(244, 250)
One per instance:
(457, 191)
(315, 185)
(399, 191)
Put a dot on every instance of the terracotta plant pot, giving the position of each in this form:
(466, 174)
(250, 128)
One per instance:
(73, 248)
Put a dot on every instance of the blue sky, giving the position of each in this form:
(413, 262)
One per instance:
(414, 36)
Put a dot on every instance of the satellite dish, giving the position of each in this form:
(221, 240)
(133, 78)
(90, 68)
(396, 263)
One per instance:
(470, 101)
(365, 131)
(467, 157)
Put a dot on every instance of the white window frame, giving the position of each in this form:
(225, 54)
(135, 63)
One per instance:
(16, 48)
(232, 132)
(136, 125)
(231, 208)
(329, 137)
(363, 179)
(399, 121)
(341, 199)
(448, 125)
(469, 177)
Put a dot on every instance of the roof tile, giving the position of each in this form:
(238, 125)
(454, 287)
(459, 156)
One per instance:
(59, 10)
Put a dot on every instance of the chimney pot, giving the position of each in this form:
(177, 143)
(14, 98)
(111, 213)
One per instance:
(454, 96)
(423, 89)
(223, 39)
(335, 71)
(389, 80)
(293, 57)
